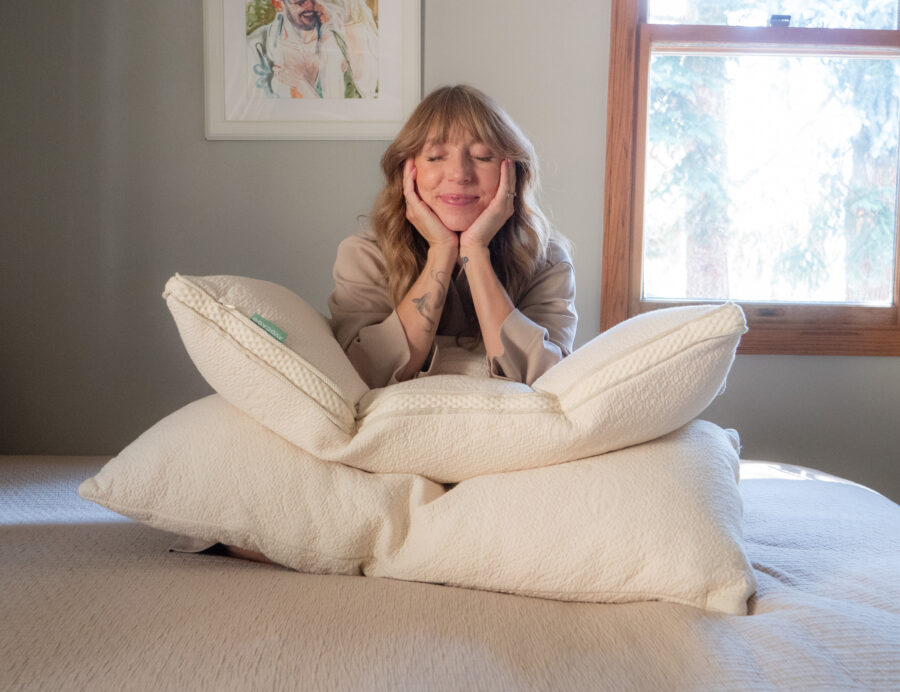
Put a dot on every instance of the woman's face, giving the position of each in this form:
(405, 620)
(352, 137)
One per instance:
(457, 179)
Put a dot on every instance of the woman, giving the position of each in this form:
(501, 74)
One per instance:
(458, 247)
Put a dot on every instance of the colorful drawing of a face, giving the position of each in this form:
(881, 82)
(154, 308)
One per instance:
(305, 15)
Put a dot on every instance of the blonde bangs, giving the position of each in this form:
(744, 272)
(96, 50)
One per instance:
(461, 113)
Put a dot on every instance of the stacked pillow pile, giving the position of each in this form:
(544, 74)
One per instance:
(594, 484)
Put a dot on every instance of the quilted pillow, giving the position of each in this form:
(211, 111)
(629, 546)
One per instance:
(271, 355)
(659, 521)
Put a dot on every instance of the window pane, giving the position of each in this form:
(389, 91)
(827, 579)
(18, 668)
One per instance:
(771, 178)
(828, 14)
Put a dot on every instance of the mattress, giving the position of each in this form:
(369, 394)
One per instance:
(90, 600)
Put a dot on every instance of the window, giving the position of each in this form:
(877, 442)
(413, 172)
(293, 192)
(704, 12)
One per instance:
(753, 155)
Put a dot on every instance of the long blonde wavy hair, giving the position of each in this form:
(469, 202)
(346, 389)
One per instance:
(519, 248)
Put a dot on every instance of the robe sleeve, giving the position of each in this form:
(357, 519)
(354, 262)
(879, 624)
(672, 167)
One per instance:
(362, 317)
(535, 336)
(540, 332)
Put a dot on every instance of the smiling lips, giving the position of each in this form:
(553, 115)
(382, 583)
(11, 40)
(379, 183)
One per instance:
(458, 200)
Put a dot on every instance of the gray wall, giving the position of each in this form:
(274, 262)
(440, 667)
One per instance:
(107, 187)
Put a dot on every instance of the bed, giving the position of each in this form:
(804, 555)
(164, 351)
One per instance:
(585, 530)
(92, 600)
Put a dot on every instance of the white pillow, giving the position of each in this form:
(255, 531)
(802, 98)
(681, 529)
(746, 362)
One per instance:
(269, 353)
(659, 521)
(642, 379)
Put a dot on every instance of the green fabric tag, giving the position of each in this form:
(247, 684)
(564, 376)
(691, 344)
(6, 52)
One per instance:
(270, 327)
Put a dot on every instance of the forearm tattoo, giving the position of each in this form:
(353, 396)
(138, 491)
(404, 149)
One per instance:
(430, 306)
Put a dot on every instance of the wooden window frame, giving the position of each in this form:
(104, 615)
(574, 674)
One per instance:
(775, 328)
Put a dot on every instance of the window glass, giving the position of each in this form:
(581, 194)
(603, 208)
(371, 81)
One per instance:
(771, 178)
(829, 14)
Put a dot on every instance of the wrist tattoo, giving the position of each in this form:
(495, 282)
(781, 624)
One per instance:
(429, 307)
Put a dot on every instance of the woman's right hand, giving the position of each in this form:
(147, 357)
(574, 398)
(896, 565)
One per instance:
(422, 216)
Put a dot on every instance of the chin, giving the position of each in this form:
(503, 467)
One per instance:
(457, 224)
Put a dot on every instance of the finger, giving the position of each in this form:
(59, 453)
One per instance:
(510, 181)
(510, 186)
(502, 186)
(408, 168)
(409, 176)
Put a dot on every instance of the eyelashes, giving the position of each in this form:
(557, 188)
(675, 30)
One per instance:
(483, 159)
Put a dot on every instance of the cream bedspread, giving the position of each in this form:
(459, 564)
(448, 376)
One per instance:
(90, 600)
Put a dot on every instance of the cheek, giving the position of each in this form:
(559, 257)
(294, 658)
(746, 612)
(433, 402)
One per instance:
(492, 179)
(427, 179)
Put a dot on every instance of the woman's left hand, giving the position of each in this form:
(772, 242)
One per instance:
(497, 213)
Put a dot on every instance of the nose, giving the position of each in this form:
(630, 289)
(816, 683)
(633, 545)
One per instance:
(462, 169)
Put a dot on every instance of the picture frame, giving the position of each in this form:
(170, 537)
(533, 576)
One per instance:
(291, 77)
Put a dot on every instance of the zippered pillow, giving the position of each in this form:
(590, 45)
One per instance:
(271, 355)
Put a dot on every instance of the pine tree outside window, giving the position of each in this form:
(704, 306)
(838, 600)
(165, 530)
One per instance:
(753, 156)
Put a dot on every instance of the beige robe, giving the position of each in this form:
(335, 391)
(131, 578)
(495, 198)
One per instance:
(535, 336)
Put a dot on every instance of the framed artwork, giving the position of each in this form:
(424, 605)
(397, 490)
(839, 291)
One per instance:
(310, 69)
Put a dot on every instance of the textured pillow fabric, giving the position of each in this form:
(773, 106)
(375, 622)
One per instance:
(270, 353)
(643, 379)
(648, 375)
(659, 521)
